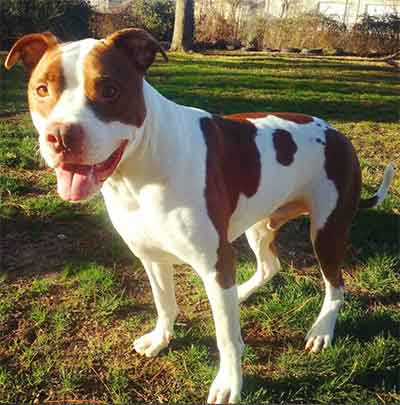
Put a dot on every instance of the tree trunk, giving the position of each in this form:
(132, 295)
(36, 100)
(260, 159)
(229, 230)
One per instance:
(182, 40)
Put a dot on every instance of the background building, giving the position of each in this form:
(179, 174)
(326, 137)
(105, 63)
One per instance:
(105, 6)
(347, 11)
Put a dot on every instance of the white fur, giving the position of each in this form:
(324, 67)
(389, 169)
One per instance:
(155, 199)
(321, 333)
(162, 285)
(227, 385)
(259, 238)
(101, 138)
(387, 180)
(304, 178)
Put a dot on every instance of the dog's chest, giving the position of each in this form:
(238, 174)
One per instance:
(133, 222)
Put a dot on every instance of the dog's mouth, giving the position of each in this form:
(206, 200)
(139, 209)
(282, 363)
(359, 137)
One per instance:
(77, 182)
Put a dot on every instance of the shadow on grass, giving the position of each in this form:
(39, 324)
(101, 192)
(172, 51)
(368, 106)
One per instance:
(343, 110)
(239, 80)
(37, 245)
(12, 96)
(313, 387)
(375, 231)
(368, 325)
(255, 61)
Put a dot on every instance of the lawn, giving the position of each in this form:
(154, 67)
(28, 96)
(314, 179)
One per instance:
(73, 298)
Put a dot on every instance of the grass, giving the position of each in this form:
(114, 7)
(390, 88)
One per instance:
(73, 298)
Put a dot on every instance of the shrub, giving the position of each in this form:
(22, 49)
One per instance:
(214, 31)
(102, 24)
(308, 30)
(67, 19)
(379, 34)
(156, 16)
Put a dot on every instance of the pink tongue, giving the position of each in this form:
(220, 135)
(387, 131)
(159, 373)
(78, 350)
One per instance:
(76, 182)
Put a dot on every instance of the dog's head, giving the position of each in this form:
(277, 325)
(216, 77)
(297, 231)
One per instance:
(86, 99)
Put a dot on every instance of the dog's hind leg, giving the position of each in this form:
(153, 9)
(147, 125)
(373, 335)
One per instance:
(161, 278)
(260, 238)
(329, 245)
(333, 203)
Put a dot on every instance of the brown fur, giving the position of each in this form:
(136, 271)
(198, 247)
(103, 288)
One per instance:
(245, 116)
(107, 65)
(121, 60)
(284, 146)
(30, 49)
(233, 168)
(286, 213)
(342, 167)
(297, 118)
(293, 117)
(139, 46)
(50, 73)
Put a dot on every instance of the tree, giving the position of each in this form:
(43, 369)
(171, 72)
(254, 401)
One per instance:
(182, 39)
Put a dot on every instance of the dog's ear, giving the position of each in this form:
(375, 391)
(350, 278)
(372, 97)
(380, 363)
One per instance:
(139, 45)
(30, 49)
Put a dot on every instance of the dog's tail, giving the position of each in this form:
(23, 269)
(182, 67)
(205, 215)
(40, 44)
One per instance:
(383, 189)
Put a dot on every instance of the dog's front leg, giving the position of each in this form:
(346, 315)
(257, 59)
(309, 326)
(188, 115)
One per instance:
(225, 308)
(161, 278)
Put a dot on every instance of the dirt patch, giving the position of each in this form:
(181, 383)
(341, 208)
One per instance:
(34, 247)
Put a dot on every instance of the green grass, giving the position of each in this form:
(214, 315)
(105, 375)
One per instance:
(73, 298)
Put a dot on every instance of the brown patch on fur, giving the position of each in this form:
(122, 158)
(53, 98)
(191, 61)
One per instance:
(30, 49)
(107, 66)
(44, 48)
(297, 118)
(330, 241)
(139, 46)
(245, 116)
(120, 62)
(286, 213)
(284, 146)
(233, 168)
(48, 72)
(288, 116)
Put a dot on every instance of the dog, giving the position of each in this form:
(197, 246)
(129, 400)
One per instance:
(181, 184)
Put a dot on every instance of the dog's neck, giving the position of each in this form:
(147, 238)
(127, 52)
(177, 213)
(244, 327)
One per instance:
(151, 156)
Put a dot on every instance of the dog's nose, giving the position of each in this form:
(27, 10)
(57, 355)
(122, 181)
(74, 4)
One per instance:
(64, 137)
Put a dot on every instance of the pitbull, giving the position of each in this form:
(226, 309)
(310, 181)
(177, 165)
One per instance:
(181, 184)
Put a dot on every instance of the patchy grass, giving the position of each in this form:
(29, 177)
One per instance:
(73, 298)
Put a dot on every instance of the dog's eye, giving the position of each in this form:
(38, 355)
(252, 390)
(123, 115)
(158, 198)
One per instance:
(42, 90)
(109, 91)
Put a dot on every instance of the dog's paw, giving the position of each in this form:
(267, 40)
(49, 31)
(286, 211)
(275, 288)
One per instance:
(225, 389)
(317, 343)
(152, 343)
(320, 336)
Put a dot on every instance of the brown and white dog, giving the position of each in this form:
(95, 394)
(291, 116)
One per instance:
(181, 184)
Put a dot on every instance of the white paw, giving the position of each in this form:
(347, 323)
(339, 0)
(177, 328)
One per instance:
(226, 388)
(152, 343)
(317, 343)
(320, 335)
